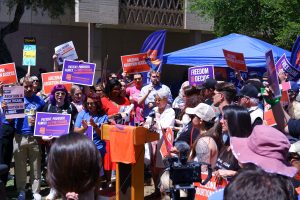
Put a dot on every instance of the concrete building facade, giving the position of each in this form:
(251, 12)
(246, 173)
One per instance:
(109, 27)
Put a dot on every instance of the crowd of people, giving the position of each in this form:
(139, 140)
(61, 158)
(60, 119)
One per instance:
(222, 124)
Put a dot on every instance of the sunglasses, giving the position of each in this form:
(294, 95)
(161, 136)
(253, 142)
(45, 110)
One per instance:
(60, 93)
(291, 91)
(90, 103)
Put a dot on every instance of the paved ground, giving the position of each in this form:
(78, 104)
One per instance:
(12, 193)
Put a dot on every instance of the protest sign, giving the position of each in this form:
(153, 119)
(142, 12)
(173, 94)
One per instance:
(8, 73)
(14, 97)
(65, 51)
(272, 74)
(51, 79)
(284, 65)
(51, 124)
(29, 51)
(284, 99)
(269, 118)
(197, 75)
(135, 63)
(89, 132)
(78, 72)
(167, 143)
(235, 60)
(285, 86)
(204, 191)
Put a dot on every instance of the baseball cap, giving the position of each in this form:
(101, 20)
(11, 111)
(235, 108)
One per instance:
(295, 148)
(294, 86)
(208, 84)
(249, 91)
(253, 74)
(203, 111)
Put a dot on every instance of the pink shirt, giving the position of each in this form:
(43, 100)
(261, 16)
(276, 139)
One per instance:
(133, 94)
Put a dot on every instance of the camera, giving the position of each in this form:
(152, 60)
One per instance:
(183, 173)
(186, 173)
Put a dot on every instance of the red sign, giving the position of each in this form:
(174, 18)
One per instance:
(8, 73)
(235, 60)
(51, 79)
(269, 118)
(284, 99)
(204, 191)
(167, 143)
(135, 63)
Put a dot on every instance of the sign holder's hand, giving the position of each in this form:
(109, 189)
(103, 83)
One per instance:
(92, 123)
(84, 124)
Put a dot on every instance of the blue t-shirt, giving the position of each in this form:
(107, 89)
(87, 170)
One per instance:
(33, 104)
(98, 119)
(2, 116)
(3, 119)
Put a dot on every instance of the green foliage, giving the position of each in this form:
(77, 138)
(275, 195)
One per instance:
(276, 21)
(55, 8)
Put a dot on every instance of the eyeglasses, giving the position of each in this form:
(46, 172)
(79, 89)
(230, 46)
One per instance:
(291, 91)
(240, 97)
(28, 86)
(90, 103)
(157, 100)
(35, 81)
(60, 93)
(215, 93)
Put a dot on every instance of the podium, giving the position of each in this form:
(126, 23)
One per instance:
(130, 177)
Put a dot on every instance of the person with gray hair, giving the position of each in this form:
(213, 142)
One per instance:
(26, 146)
(248, 98)
(77, 98)
(162, 117)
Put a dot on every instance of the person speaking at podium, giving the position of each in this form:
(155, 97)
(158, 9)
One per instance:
(161, 117)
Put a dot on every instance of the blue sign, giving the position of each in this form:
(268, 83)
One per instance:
(198, 75)
(29, 55)
(78, 72)
(51, 124)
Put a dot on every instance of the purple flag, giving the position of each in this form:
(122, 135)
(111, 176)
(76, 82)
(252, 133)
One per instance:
(154, 47)
(295, 55)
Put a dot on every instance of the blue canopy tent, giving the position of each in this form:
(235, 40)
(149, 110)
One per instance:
(211, 53)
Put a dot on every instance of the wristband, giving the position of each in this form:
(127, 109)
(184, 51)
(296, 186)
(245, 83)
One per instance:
(273, 102)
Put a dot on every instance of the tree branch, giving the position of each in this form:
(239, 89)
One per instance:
(14, 25)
